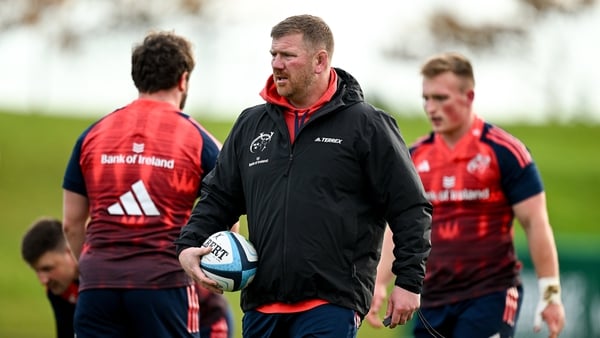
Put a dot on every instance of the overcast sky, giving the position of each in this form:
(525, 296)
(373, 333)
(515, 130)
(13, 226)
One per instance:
(555, 70)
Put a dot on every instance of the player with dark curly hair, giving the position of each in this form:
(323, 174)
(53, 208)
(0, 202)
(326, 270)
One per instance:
(129, 186)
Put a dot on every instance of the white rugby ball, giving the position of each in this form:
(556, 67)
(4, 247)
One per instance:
(232, 262)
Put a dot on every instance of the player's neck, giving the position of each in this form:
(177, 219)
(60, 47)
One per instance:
(170, 96)
(452, 138)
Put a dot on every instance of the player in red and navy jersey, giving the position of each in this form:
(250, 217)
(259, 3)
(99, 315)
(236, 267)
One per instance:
(129, 186)
(45, 249)
(479, 178)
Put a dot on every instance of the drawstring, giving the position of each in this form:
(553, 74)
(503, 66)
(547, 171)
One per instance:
(428, 326)
(299, 121)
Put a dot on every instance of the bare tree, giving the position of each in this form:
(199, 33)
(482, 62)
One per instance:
(446, 30)
(99, 16)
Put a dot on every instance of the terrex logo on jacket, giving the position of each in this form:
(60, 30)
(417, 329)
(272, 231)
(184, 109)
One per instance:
(288, 171)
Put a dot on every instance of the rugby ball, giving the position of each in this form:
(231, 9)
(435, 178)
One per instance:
(232, 262)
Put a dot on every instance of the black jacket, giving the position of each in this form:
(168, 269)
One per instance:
(317, 209)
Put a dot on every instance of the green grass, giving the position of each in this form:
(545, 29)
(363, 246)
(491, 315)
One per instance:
(34, 150)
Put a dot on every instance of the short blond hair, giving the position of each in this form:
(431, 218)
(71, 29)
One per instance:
(453, 62)
(316, 33)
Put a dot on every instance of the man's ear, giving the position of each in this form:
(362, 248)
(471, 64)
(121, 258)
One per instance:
(471, 95)
(321, 61)
(183, 81)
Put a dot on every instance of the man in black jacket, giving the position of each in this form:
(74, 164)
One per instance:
(319, 173)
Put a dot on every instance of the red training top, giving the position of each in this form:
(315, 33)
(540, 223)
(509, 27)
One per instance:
(141, 168)
(473, 188)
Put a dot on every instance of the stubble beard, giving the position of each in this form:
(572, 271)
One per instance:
(183, 99)
(296, 88)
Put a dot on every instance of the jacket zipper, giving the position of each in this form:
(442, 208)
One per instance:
(285, 232)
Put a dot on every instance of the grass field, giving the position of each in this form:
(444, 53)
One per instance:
(34, 150)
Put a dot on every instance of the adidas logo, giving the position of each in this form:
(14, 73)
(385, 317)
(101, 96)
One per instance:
(423, 167)
(136, 202)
